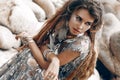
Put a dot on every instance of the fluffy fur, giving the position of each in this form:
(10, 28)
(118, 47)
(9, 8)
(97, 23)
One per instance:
(48, 6)
(7, 39)
(112, 6)
(19, 16)
(38, 11)
(111, 26)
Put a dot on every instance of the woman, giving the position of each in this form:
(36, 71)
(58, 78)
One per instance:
(65, 46)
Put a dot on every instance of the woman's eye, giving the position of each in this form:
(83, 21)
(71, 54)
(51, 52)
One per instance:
(88, 24)
(78, 18)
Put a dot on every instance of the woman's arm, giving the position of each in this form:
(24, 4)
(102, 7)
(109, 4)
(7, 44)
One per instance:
(36, 52)
(52, 67)
(67, 56)
(38, 55)
(64, 57)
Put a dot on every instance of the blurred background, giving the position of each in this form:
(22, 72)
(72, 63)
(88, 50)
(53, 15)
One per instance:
(29, 15)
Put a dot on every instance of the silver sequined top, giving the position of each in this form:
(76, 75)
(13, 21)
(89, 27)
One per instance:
(80, 44)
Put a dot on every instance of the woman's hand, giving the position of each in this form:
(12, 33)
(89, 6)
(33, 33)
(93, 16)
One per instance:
(53, 69)
(25, 37)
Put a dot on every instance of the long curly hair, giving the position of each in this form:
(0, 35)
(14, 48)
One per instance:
(94, 7)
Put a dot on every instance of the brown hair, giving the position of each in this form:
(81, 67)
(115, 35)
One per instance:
(86, 68)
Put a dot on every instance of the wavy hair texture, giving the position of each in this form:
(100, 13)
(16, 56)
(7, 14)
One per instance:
(86, 68)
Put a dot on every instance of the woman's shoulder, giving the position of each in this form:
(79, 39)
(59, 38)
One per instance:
(80, 44)
(82, 41)
(83, 38)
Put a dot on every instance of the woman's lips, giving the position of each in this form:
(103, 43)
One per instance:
(76, 30)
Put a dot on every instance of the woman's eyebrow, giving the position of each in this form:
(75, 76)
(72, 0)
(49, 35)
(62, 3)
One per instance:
(79, 16)
(83, 19)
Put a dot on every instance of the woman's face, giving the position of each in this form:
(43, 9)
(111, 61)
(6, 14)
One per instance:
(80, 21)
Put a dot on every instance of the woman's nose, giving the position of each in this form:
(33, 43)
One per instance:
(81, 26)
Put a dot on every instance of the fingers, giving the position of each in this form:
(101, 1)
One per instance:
(16, 37)
(20, 35)
(52, 71)
(24, 36)
(50, 76)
